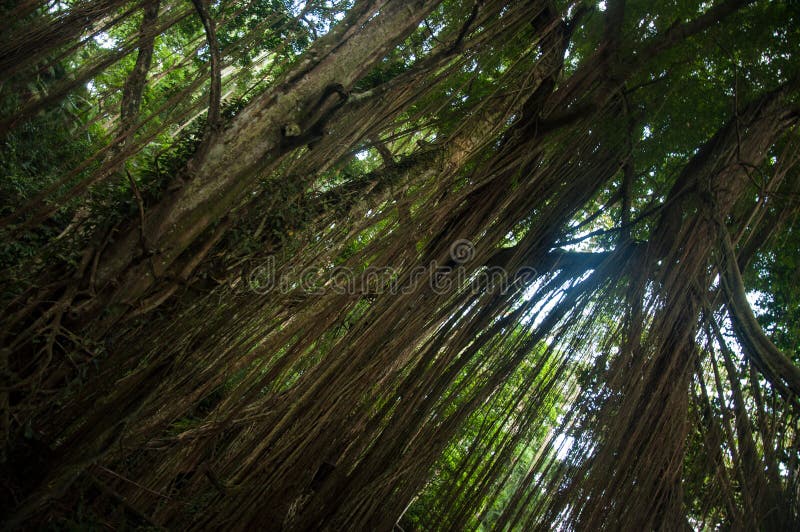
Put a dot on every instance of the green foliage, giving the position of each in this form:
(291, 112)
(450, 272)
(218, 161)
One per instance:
(662, 114)
(775, 278)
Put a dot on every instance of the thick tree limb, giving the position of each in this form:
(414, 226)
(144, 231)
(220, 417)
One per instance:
(615, 15)
(557, 259)
(202, 7)
(137, 78)
(466, 27)
(768, 359)
(679, 32)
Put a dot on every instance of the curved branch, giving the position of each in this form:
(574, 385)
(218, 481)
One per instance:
(768, 359)
(456, 46)
(137, 78)
(680, 31)
(203, 11)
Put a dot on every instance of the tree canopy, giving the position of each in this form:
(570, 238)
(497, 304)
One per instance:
(388, 264)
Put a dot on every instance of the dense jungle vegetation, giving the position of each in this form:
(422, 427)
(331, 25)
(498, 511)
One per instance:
(400, 265)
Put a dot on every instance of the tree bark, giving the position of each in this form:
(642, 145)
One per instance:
(248, 147)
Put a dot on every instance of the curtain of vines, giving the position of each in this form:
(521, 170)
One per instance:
(460, 305)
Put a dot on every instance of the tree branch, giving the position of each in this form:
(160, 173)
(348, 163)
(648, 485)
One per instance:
(681, 31)
(137, 78)
(202, 7)
(456, 46)
(557, 259)
(776, 367)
